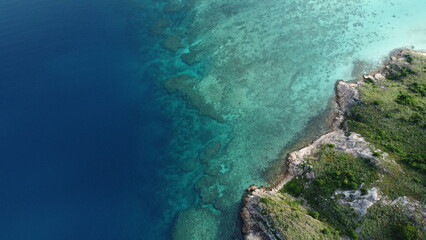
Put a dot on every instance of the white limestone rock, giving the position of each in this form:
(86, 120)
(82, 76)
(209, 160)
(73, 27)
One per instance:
(360, 203)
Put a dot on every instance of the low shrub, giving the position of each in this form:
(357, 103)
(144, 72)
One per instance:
(313, 214)
(376, 154)
(415, 118)
(353, 235)
(357, 116)
(265, 200)
(353, 185)
(408, 58)
(369, 80)
(416, 161)
(293, 187)
(404, 99)
(405, 232)
(418, 88)
(398, 73)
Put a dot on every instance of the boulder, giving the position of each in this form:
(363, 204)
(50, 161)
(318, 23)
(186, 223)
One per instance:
(251, 188)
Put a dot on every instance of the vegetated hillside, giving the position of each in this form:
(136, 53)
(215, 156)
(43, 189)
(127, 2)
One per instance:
(358, 189)
(392, 116)
(289, 219)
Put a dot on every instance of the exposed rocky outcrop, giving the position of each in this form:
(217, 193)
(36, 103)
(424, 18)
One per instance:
(346, 96)
(411, 207)
(359, 202)
(255, 229)
(279, 216)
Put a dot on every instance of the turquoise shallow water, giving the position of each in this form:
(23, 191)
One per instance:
(243, 79)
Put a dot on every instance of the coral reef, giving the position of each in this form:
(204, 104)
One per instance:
(186, 86)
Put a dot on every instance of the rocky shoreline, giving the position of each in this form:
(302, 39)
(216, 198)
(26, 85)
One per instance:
(255, 225)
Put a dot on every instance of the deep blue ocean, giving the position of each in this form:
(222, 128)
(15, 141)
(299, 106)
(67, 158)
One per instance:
(76, 123)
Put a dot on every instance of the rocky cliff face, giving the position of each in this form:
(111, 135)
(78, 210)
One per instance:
(254, 223)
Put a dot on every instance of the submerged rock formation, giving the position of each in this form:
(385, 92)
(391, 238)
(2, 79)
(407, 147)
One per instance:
(211, 150)
(188, 87)
(173, 42)
(206, 222)
(160, 27)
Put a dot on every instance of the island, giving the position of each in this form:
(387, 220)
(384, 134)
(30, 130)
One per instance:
(365, 179)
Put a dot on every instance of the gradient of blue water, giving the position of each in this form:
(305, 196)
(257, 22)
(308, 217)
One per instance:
(76, 123)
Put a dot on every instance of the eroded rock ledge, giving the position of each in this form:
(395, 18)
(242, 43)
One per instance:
(255, 225)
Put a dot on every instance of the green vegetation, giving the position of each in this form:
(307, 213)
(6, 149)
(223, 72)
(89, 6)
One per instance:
(265, 200)
(333, 171)
(364, 191)
(339, 171)
(376, 154)
(406, 231)
(330, 145)
(313, 214)
(392, 116)
(389, 222)
(289, 219)
(399, 72)
(353, 235)
(418, 88)
(294, 187)
(408, 58)
(397, 128)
